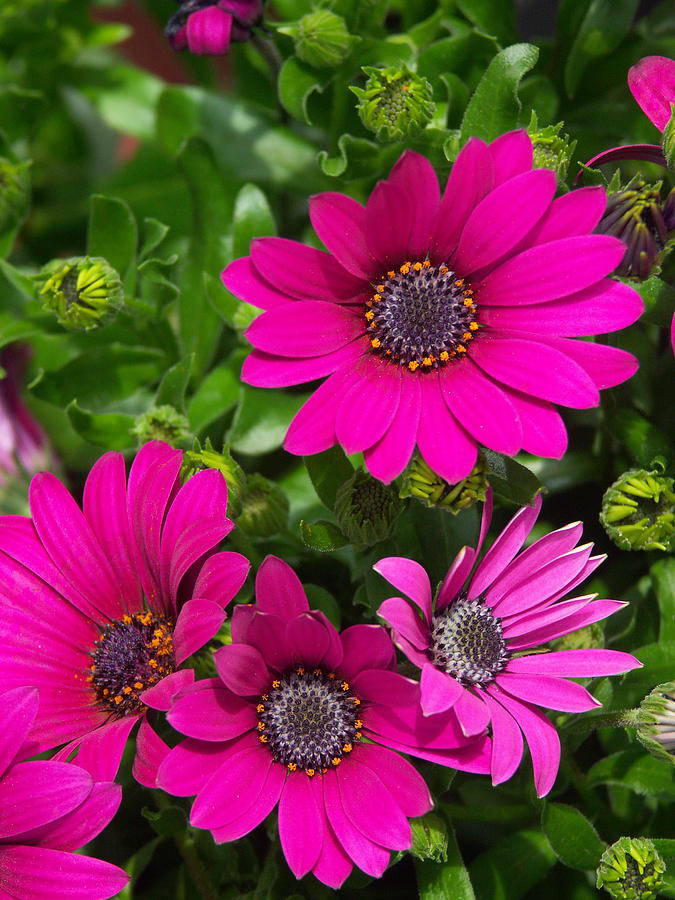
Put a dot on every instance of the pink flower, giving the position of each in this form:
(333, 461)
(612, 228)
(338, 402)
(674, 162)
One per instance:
(652, 82)
(100, 606)
(442, 321)
(476, 638)
(207, 27)
(47, 810)
(22, 441)
(298, 715)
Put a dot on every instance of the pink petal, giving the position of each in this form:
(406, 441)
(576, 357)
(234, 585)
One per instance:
(369, 407)
(308, 639)
(340, 222)
(279, 590)
(370, 807)
(511, 155)
(161, 695)
(151, 751)
(405, 784)
(575, 663)
(86, 822)
(572, 214)
(221, 576)
(416, 176)
(388, 218)
(410, 578)
(548, 691)
(552, 270)
(210, 712)
(243, 279)
(438, 690)
(39, 873)
(267, 633)
(242, 669)
(18, 709)
(385, 688)
(232, 789)
(471, 178)
(208, 31)
(333, 865)
(300, 824)
(652, 83)
(544, 432)
(443, 443)
(305, 329)
(313, 427)
(303, 272)
(491, 229)
(472, 714)
(197, 622)
(504, 548)
(606, 366)
(399, 614)
(455, 578)
(365, 647)
(507, 742)
(35, 793)
(259, 810)
(519, 363)
(481, 407)
(542, 615)
(266, 370)
(387, 458)
(100, 751)
(369, 856)
(567, 622)
(189, 766)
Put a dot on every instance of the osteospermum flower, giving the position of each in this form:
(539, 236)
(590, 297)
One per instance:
(299, 715)
(442, 321)
(99, 606)
(207, 27)
(22, 441)
(47, 810)
(484, 636)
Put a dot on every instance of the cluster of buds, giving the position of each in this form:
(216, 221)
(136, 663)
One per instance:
(638, 511)
(424, 484)
(395, 102)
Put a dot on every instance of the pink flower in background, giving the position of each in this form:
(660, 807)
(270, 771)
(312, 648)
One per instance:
(22, 442)
(441, 321)
(476, 639)
(298, 717)
(99, 606)
(652, 83)
(47, 810)
(207, 27)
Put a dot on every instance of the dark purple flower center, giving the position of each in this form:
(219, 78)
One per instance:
(132, 654)
(421, 316)
(467, 642)
(309, 720)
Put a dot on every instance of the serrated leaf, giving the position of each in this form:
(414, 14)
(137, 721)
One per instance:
(297, 83)
(359, 158)
(112, 234)
(154, 233)
(572, 837)
(322, 535)
(328, 471)
(174, 383)
(636, 770)
(262, 419)
(109, 430)
(252, 218)
(602, 29)
(494, 107)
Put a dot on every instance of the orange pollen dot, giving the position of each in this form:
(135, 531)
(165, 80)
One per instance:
(413, 365)
(445, 356)
(358, 735)
(260, 708)
(459, 282)
(468, 302)
(347, 748)
(127, 620)
(418, 267)
(358, 724)
(261, 726)
(263, 739)
(126, 690)
(426, 264)
(404, 87)
(461, 349)
(380, 289)
(292, 767)
(118, 699)
(444, 270)
(317, 671)
(275, 684)
(391, 274)
(336, 760)
(376, 298)
(331, 674)
(356, 701)
(344, 686)
(467, 336)
(473, 326)
(300, 670)
(370, 315)
(310, 772)
(138, 685)
(375, 343)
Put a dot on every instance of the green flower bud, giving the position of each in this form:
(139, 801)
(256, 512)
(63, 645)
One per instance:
(321, 38)
(668, 142)
(161, 423)
(198, 459)
(638, 511)
(14, 193)
(550, 149)
(429, 838)
(395, 103)
(366, 509)
(265, 510)
(84, 292)
(424, 484)
(591, 637)
(631, 869)
(656, 722)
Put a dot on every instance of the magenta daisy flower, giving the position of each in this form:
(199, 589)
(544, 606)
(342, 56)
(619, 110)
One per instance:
(207, 27)
(299, 715)
(47, 810)
(479, 637)
(99, 606)
(441, 321)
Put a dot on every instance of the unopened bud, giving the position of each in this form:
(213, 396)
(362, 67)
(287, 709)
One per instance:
(83, 292)
(198, 459)
(631, 869)
(265, 508)
(161, 423)
(366, 509)
(656, 722)
(321, 38)
(421, 482)
(395, 103)
(638, 511)
(550, 149)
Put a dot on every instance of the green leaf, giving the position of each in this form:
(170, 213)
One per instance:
(495, 106)
(666, 847)
(511, 480)
(109, 430)
(215, 396)
(320, 598)
(659, 300)
(604, 26)
(440, 881)
(262, 419)
(495, 17)
(328, 471)
(174, 383)
(297, 83)
(20, 282)
(127, 102)
(135, 865)
(252, 218)
(113, 235)
(642, 439)
(167, 821)
(512, 867)
(636, 770)
(100, 377)
(154, 233)
(359, 158)
(572, 837)
(13, 330)
(322, 535)
(663, 579)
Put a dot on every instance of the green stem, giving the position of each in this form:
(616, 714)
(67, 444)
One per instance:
(268, 50)
(624, 718)
(186, 847)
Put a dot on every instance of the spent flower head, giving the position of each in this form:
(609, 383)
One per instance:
(83, 292)
(631, 869)
(638, 511)
(656, 722)
(395, 102)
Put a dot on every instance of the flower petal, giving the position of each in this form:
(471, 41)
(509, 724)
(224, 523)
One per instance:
(207, 710)
(416, 176)
(410, 578)
(405, 784)
(259, 810)
(606, 366)
(511, 155)
(369, 407)
(300, 824)
(652, 82)
(40, 873)
(243, 279)
(35, 793)
(18, 709)
(365, 647)
(399, 614)
(304, 329)
(369, 856)
(232, 789)
(438, 690)
(279, 590)
(386, 459)
(266, 370)
(456, 576)
(208, 31)
(443, 443)
(576, 663)
(151, 751)
(242, 669)
(370, 807)
(313, 427)
(340, 222)
(507, 742)
(388, 218)
(221, 576)
(161, 695)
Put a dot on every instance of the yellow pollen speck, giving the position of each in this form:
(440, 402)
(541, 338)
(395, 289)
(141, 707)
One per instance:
(376, 298)
(445, 356)
(310, 772)
(426, 264)
(331, 674)
(126, 690)
(370, 315)
(138, 685)
(126, 619)
(317, 672)
(427, 361)
(473, 326)
(347, 748)
(461, 349)
(260, 708)
(459, 282)
(263, 738)
(391, 274)
(358, 735)
(413, 365)
(468, 301)
(467, 336)
(404, 87)
(118, 699)
(300, 670)
(358, 724)
(261, 726)
(344, 686)
(444, 270)
(356, 701)
(292, 767)
(380, 289)
(336, 761)
(276, 683)
(105, 692)
(375, 343)
(418, 267)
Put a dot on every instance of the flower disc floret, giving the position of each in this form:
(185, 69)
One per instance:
(467, 642)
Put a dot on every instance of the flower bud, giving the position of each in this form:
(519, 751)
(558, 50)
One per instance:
(424, 484)
(14, 193)
(638, 511)
(265, 508)
(366, 509)
(161, 423)
(429, 838)
(321, 38)
(590, 637)
(84, 292)
(550, 149)
(395, 102)
(631, 869)
(197, 459)
(656, 722)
